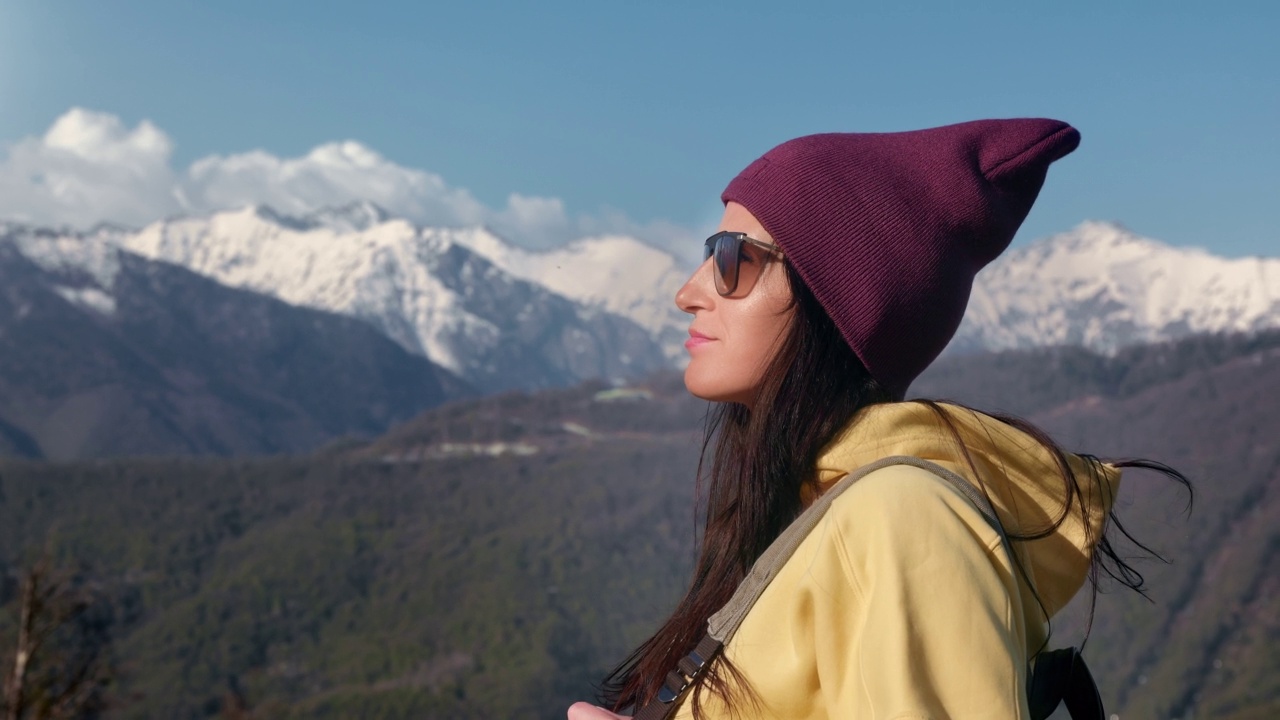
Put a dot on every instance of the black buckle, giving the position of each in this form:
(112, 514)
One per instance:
(678, 680)
(666, 695)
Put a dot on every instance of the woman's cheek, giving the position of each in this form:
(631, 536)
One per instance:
(724, 373)
(706, 375)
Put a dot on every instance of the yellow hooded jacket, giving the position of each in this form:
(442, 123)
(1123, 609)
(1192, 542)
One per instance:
(902, 602)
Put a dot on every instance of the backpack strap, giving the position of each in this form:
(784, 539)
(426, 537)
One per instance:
(725, 622)
(1057, 674)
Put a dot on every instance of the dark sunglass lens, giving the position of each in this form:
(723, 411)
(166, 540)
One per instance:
(728, 246)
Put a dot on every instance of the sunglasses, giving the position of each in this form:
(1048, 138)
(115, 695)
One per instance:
(739, 260)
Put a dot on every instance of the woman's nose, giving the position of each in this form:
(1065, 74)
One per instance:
(696, 293)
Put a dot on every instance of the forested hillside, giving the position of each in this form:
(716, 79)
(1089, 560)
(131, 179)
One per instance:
(492, 558)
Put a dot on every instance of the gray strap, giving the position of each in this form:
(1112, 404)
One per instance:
(724, 623)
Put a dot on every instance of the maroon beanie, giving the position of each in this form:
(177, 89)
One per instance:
(889, 229)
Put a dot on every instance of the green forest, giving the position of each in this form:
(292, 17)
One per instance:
(494, 558)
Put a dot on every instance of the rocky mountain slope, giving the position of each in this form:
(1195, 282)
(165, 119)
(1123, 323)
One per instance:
(619, 274)
(104, 353)
(1103, 287)
(425, 288)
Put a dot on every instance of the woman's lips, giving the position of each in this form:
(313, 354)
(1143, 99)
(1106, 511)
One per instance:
(696, 339)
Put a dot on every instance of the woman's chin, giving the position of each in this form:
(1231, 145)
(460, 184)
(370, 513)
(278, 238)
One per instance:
(712, 386)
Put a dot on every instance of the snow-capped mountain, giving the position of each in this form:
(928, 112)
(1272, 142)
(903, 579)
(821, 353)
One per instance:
(103, 352)
(426, 288)
(501, 316)
(616, 273)
(84, 266)
(1104, 287)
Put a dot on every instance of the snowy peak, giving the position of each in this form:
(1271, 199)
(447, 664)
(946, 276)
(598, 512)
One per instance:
(1100, 238)
(344, 219)
(84, 265)
(615, 273)
(1105, 287)
(425, 288)
(1095, 247)
(364, 274)
(351, 218)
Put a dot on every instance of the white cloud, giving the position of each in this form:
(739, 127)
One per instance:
(332, 174)
(89, 168)
(539, 221)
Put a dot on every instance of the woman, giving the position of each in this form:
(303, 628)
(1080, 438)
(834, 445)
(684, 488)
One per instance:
(841, 269)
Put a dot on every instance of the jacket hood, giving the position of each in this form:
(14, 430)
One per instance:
(1019, 475)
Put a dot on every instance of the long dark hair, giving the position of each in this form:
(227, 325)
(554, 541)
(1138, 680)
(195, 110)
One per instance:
(760, 461)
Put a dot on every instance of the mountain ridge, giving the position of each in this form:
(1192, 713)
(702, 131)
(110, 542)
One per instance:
(106, 353)
(422, 287)
(1104, 287)
(466, 297)
(1098, 285)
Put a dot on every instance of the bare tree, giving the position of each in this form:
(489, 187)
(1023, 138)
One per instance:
(234, 704)
(60, 664)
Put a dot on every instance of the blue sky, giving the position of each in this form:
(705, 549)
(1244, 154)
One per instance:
(634, 115)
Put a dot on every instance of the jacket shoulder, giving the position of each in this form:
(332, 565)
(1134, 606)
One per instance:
(903, 506)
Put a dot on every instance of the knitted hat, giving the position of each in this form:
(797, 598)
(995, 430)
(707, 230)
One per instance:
(888, 229)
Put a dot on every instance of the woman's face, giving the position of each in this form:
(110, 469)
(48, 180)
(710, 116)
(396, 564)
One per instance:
(732, 339)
